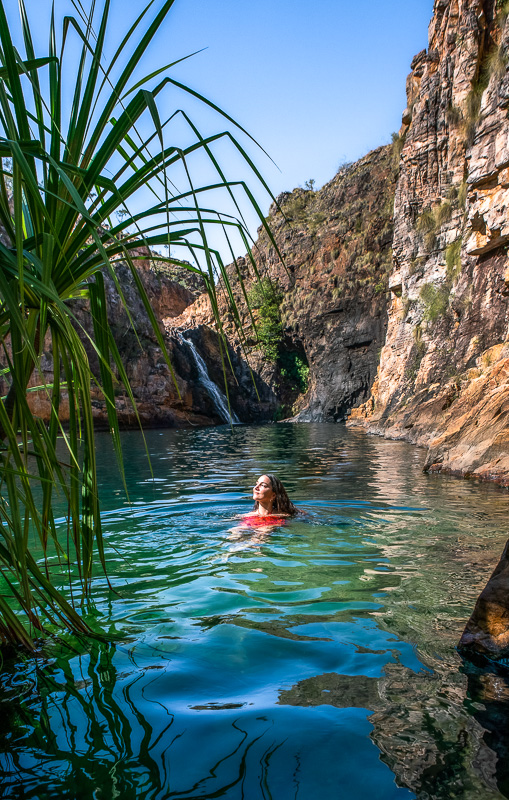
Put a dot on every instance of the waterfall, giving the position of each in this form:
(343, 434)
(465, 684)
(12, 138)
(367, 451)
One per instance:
(217, 396)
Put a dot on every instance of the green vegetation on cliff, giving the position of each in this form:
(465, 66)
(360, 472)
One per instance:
(266, 299)
(293, 367)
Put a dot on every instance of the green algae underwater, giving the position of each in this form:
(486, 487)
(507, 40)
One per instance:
(314, 659)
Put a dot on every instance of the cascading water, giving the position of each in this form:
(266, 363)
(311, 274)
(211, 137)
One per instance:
(218, 398)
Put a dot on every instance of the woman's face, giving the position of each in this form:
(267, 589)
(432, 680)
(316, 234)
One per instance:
(262, 491)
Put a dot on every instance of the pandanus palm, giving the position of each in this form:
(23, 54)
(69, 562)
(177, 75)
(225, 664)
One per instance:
(67, 170)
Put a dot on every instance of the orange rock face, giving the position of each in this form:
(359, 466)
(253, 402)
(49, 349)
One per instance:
(443, 379)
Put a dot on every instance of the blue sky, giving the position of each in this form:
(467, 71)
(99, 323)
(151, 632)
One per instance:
(317, 84)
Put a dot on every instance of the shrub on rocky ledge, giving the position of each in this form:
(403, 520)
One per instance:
(436, 301)
(294, 368)
(266, 298)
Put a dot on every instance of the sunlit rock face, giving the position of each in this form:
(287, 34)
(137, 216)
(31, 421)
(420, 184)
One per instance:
(443, 374)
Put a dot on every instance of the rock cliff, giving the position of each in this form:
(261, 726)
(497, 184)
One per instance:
(443, 374)
(336, 246)
(394, 292)
(162, 399)
(428, 359)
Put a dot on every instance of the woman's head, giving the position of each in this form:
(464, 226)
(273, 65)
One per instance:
(270, 493)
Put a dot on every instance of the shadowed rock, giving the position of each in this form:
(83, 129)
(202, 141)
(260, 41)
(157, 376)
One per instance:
(487, 630)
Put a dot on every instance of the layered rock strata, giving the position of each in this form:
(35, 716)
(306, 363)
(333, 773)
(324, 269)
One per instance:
(442, 381)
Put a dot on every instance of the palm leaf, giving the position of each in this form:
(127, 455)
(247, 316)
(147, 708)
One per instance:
(73, 167)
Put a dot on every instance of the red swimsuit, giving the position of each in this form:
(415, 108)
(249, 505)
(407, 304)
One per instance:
(254, 520)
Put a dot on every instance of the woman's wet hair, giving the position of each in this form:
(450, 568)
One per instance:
(281, 502)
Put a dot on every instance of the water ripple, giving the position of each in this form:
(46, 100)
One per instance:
(315, 658)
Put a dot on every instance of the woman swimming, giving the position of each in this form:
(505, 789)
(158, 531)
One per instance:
(272, 504)
(272, 508)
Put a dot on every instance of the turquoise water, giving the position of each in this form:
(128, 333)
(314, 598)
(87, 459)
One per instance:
(313, 660)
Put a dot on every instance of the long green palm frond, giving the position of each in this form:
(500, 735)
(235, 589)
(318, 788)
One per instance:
(66, 169)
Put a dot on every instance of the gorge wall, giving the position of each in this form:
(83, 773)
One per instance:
(393, 298)
(413, 342)
(443, 375)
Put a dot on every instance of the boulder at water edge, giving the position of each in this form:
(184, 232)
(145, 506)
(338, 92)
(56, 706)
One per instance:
(487, 630)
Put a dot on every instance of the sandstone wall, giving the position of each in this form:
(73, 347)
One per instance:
(443, 374)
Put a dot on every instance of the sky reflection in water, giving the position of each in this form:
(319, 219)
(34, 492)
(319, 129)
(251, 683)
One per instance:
(313, 660)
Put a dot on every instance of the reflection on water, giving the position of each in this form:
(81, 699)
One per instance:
(314, 660)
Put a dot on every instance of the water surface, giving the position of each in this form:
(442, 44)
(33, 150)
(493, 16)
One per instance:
(313, 660)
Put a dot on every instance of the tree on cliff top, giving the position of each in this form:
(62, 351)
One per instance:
(67, 168)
